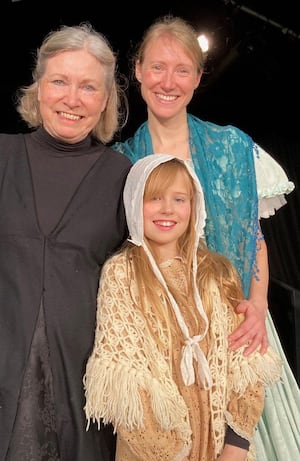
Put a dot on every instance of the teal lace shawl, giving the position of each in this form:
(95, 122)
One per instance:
(224, 163)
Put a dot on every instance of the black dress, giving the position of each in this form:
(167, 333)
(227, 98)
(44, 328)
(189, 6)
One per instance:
(61, 216)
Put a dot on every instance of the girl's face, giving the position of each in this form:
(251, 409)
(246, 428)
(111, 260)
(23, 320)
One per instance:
(168, 78)
(166, 217)
(72, 95)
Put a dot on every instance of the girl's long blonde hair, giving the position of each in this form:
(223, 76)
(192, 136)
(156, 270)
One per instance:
(210, 266)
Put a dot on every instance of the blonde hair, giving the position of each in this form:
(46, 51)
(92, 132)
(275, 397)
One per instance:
(69, 38)
(178, 29)
(211, 266)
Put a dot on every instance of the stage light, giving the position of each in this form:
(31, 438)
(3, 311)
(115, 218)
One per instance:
(203, 42)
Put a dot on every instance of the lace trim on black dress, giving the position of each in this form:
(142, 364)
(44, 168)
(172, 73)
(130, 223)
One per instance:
(34, 434)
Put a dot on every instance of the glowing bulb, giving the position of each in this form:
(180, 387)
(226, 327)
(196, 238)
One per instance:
(203, 42)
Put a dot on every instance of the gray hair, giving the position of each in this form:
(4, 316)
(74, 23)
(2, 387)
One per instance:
(69, 38)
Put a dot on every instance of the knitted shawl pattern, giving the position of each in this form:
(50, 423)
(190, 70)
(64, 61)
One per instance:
(126, 358)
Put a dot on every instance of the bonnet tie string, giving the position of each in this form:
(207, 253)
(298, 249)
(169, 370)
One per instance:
(191, 351)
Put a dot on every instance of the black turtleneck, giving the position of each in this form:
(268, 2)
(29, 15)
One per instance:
(57, 169)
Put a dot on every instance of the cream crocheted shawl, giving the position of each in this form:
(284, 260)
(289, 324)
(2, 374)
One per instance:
(126, 359)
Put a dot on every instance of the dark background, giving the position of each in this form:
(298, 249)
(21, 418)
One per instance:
(252, 74)
(251, 81)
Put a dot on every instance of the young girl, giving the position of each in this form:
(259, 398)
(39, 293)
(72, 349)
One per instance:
(161, 371)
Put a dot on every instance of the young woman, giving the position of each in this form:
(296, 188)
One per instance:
(161, 370)
(241, 184)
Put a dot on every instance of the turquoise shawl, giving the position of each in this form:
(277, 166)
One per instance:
(224, 163)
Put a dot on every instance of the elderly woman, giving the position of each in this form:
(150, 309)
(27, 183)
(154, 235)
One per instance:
(61, 216)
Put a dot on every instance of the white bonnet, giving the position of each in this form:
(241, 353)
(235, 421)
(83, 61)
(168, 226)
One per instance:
(134, 192)
(133, 202)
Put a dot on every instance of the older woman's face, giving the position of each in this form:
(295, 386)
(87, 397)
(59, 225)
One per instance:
(72, 95)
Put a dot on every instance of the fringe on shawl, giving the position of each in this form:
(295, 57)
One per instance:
(112, 396)
(243, 371)
(256, 368)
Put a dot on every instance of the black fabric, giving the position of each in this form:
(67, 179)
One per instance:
(57, 170)
(232, 438)
(34, 436)
(60, 269)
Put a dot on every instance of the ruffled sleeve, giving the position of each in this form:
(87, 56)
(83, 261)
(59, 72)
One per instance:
(272, 183)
